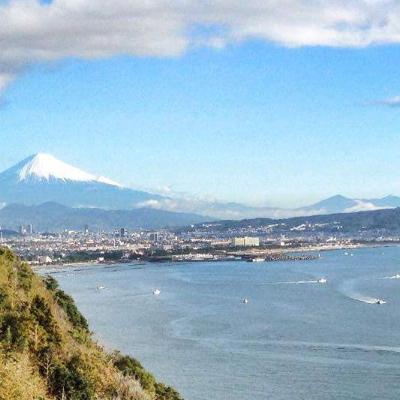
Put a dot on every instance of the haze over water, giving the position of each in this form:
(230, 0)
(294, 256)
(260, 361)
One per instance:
(295, 339)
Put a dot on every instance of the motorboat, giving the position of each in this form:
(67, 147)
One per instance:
(256, 259)
(380, 301)
(156, 292)
(245, 301)
(100, 287)
(322, 280)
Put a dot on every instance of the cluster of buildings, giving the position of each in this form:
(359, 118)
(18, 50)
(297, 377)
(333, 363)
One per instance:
(26, 229)
(203, 242)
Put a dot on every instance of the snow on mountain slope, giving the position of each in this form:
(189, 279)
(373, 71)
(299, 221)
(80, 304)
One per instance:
(42, 178)
(103, 179)
(44, 166)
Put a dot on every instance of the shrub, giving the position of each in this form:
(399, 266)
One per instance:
(25, 276)
(14, 330)
(132, 367)
(164, 392)
(51, 283)
(68, 381)
(68, 305)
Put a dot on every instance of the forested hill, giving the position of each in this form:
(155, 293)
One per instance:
(47, 352)
(386, 219)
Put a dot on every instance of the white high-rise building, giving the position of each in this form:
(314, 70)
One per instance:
(247, 241)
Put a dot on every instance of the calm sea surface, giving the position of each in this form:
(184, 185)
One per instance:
(295, 339)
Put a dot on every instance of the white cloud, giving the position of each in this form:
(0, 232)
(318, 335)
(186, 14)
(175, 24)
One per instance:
(32, 32)
(390, 102)
(351, 23)
(363, 206)
(219, 210)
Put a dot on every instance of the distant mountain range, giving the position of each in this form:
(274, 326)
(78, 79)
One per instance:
(42, 178)
(377, 222)
(54, 217)
(342, 204)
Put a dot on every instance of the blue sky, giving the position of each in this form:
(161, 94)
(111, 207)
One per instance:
(252, 122)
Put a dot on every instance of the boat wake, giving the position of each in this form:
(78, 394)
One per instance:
(182, 328)
(397, 276)
(303, 282)
(370, 300)
(348, 289)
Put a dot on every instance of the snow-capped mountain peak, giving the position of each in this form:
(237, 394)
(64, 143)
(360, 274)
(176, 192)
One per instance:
(42, 178)
(43, 166)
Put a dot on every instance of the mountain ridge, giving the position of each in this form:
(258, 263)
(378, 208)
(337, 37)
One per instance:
(41, 178)
(55, 217)
(382, 221)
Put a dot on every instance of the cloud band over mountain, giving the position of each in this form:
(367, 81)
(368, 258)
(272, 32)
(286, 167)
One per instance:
(35, 31)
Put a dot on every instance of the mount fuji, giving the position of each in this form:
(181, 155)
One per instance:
(42, 178)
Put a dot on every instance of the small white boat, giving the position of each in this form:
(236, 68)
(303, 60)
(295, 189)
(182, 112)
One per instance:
(322, 280)
(245, 301)
(397, 276)
(380, 301)
(257, 259)
(156, 292)
(100, 287)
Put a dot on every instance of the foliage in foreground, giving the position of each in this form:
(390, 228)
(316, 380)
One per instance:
(46, 349)
(130, 367)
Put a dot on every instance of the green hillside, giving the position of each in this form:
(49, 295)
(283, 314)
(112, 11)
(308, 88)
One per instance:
(46, 349)
(386, 220)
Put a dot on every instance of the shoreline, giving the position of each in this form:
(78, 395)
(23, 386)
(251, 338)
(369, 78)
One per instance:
(234, 256)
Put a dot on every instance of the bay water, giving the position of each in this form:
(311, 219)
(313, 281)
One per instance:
(296, 338)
